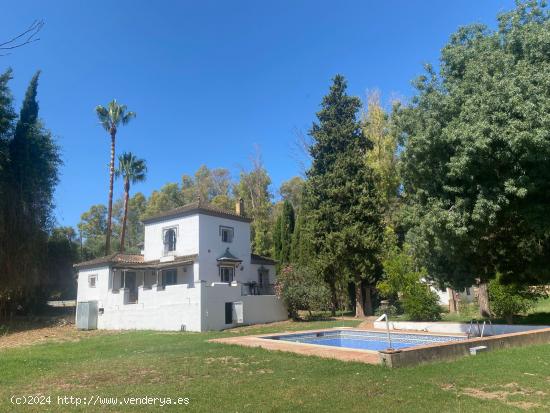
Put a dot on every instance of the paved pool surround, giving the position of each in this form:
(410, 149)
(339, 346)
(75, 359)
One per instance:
(398, 358)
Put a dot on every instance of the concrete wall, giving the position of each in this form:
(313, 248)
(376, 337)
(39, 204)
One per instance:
(454, 328)
(187, 237)
(453, 350)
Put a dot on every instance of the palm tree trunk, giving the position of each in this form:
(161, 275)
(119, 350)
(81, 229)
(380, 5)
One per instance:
(126, 196)
(110, 209)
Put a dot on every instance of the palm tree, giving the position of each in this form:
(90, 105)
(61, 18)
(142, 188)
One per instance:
(111, 117)
(132, 170)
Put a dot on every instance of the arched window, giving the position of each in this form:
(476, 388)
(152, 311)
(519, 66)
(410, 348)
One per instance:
(169, 240)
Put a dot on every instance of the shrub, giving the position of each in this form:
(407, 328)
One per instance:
(404, 277)
(301, 289)
(509, 300)
(421, 304)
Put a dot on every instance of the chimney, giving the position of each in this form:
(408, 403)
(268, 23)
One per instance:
(239, 207)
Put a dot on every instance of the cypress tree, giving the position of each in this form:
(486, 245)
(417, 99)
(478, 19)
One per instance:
(342, 203)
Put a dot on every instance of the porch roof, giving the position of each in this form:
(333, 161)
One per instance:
(134, 261)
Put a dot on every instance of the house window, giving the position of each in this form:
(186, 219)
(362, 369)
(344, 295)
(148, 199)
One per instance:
(227, 274)
(92, 280)
(169, 240)
(468, 291)
(170, 277)
(226, 233)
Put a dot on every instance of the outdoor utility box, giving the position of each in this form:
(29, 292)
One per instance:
(238, 312)
(86, 315)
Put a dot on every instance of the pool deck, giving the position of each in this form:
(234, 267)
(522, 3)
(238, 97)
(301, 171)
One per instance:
(397, 358)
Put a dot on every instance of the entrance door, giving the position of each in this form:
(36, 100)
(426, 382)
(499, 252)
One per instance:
(130, 283)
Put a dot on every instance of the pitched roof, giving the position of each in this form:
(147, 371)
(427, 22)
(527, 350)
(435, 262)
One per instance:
(194, 208)
(132, 261)
(258, 259)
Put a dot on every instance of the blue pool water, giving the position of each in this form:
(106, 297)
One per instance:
(364, 340)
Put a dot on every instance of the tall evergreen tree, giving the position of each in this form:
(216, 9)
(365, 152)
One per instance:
(341, 199)
(282, 234)
(30, 174)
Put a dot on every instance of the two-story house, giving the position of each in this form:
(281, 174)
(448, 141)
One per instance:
(196, 273)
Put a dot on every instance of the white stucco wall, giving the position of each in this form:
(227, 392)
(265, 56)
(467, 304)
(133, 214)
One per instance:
(99, 293)
(187, 239)
(211, 246)
(256, 308)
(168, 309)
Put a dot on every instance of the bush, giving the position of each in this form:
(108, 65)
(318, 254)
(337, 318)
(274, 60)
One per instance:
(404, 277)
(509, 300)
(421, 304)
(301, 289)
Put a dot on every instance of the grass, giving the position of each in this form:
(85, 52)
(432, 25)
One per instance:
(219, 377)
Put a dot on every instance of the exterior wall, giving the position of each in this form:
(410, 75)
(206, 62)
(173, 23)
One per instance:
(211, 247)
(256, 308)
(187, 241)
(173, 308)
(99, 293)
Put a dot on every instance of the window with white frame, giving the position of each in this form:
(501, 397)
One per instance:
(92, 280)
(227, 274)
(169, 237)
(226, 234)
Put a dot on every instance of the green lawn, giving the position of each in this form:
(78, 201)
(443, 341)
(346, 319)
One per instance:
(219, 377)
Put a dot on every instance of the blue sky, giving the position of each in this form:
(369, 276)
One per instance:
(209, 80)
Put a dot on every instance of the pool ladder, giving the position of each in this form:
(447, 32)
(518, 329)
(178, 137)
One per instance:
(385, 317)
(480, 330)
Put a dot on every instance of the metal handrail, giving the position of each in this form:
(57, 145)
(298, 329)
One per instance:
(385, 317)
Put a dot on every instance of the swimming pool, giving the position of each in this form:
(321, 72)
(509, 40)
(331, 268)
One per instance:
(364, 340)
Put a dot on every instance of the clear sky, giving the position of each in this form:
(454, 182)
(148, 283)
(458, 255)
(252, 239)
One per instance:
(211, 79)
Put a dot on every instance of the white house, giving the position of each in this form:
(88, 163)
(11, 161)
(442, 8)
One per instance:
(196, 273)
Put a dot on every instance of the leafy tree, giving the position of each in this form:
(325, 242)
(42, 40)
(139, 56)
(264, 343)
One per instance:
(282, 234)
(292, 190)
(168, 197)
(475, 163)
(60, 282)
(93, 227)
(132, 170)
(403, 277)
(341, 199)
(111, 118)
(301, 289)
(253, 189)
(382, 158)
